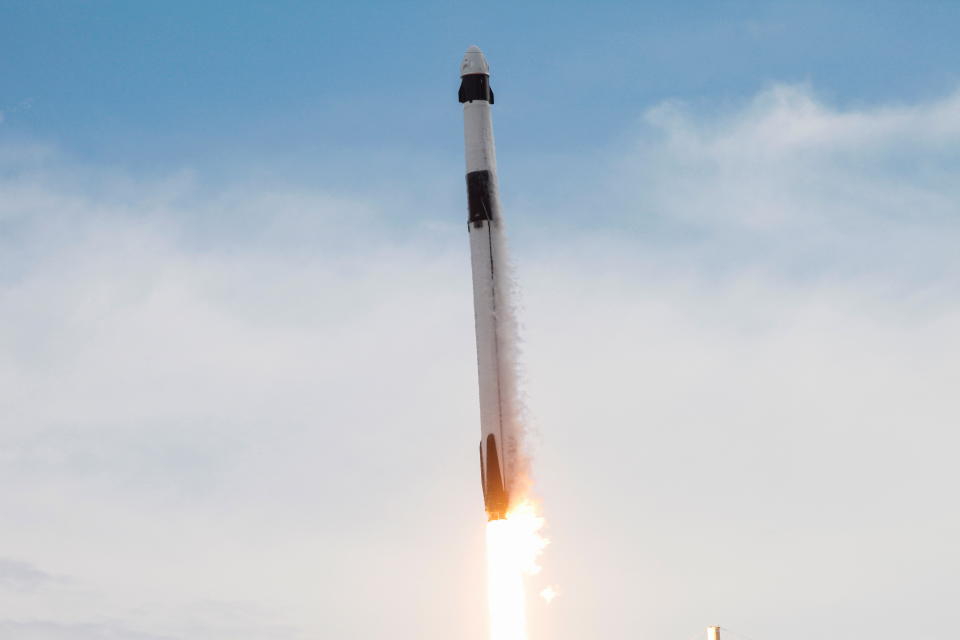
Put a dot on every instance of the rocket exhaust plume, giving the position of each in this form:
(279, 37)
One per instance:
(513, 538)
(513, 544)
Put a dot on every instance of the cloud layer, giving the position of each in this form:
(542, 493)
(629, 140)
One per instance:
(251, 413)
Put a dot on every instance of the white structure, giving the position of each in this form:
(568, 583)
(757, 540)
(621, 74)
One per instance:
(493, 312)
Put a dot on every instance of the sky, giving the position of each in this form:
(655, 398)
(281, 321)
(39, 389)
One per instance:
(236, 337)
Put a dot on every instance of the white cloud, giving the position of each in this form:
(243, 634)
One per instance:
(252, 414)
(788, 183)
(54, 631)
(23, 576)
(788, 159)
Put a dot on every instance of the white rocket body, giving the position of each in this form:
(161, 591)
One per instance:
(493, 311)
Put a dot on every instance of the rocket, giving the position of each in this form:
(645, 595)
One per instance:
(491, 304)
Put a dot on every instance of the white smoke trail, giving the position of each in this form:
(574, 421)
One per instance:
(515, 417)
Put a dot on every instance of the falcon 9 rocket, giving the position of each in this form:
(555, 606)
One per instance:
(493, 312)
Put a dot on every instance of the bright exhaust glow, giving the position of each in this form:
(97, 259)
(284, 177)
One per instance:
(513, 545)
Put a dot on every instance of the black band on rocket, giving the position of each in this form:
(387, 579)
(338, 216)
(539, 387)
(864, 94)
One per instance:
(476, 86)
(479, 197)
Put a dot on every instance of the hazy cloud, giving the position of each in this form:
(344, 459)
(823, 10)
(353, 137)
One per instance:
(23, 576)
(54, 631)
(787, 159)
(252, 413)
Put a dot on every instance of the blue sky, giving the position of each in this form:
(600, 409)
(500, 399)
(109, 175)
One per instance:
(184, 83)
(236, 336)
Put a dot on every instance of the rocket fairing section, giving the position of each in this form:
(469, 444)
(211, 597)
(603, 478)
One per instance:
(490, 294)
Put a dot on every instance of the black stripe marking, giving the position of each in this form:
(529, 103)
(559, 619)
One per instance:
(476, 86)
(483, 475)
(480, 197)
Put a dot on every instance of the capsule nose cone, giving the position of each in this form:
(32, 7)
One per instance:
(474, 62)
